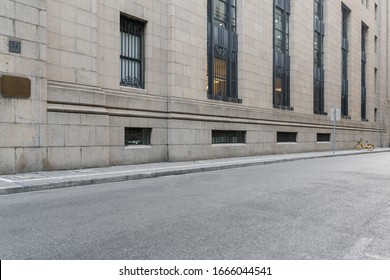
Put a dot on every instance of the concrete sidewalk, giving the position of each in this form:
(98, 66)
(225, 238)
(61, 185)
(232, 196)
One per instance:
(27, 182)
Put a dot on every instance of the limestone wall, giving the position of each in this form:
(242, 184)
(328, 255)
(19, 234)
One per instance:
(77, 112)
(23, 120)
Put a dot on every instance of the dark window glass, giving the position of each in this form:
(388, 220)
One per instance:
(287, 137)
(345, 15)
(317, 8)
(318, 97)
(345, 64)
(317, 49)
(279, 19)
(281, 83)
(234, 14)
(228, 136)
(376, 11)
(137, 136)
(279, 44)
(363, 73)
(281, 30)
(318, 89)
(287, 32)
(375, 44)
(323, 137)
(376, 80)
(222, 44)
(220, 13)
(131, 57)
(344, 61)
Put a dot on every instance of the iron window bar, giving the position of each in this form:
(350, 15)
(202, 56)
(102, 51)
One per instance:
(131, 57)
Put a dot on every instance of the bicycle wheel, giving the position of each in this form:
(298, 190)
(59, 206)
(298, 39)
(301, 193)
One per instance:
(370, 147)
(359, 146)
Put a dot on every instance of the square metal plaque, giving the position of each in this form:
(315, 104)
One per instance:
(15, 46)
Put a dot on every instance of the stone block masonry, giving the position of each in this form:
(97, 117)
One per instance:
(78, 111)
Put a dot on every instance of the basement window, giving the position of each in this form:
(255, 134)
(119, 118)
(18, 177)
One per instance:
(137, 136)
(323, 137)
(287, 137)
(228, 137)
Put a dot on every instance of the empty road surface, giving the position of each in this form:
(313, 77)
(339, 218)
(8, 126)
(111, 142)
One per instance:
(328, 208)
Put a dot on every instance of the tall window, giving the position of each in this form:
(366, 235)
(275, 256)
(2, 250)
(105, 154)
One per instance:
(132, 49)
(376, 11)
(222, 46)
(318, 57)
(281, 83)
(344, 60)
(363, 79)
(376, 81)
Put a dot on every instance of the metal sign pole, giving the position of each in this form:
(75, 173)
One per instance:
(334, 130)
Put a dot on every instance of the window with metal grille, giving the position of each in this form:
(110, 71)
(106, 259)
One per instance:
(364, 32)
(222, 46)
(323, 137)
(287, 137)
(318, 83)
(132, 51)
(228, 136)
(137, 136)
(344, 59)
(281, 69)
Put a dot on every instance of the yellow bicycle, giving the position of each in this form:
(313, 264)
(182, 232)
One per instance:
(361, 145)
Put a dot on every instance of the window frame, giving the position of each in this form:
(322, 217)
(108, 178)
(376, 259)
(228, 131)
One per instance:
(364, 36)
(228, 137)
(318, 59)
(283, 137)
(137, 136)
(323, 137)
(222, 45)
(345, 18)
(281, 58)
(132, 52)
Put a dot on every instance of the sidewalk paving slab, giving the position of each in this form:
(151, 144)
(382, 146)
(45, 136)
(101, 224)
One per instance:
(45, 180)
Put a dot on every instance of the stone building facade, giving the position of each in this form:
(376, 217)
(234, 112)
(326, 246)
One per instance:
(138, 81)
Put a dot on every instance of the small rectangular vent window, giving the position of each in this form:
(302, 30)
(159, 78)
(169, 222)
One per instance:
(137, 136)
(287, 137)
(323, 137)
(228, 136)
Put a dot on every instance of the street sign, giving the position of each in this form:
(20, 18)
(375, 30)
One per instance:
(335, 114)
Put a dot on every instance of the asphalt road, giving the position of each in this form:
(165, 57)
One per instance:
(329, 208)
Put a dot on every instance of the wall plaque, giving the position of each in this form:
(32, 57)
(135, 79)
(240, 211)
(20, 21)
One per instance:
(12, 86)
(15, 46)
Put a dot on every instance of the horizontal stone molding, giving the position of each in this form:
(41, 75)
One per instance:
(79, 109)
(121, 102)
(210, 118)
